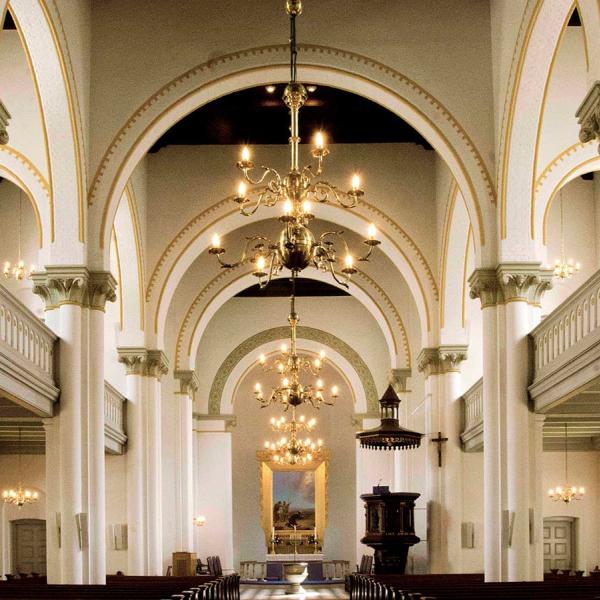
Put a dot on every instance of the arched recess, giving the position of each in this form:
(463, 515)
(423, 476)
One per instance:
(195, 243)
(569, 164)
(333, 343)
(456, 237)
(321, 65)
(16, 168)
(55, 90)
(543, 24)
(200, 315)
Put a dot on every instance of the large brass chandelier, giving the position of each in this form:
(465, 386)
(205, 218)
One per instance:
(294, 450)
(564, 268)
(566, 493)
(297, 247)
(291, 369)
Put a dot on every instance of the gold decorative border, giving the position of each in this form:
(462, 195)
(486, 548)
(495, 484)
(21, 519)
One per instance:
(119, 278)
(137, 235)
(556, 160)
(465, 274)
(29, 166)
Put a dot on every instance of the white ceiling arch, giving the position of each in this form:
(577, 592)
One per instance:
(321, 65)
(190, 337)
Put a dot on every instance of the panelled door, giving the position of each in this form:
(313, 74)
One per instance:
(558, 544)
(29, 546)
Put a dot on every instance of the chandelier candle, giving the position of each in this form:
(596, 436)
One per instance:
(297, 247)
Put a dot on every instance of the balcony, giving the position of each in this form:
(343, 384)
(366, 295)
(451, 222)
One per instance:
(472, 418)
(114, 420)
(27, 356)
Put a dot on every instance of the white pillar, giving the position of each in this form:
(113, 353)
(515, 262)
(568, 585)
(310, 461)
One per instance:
(214, 480)
(536, 561)
(484, 285)
(144, 456)
(52, 434)
(184, 468)
(522, 285)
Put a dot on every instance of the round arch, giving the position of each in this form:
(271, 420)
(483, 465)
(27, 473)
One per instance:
(306, 347)
(191, 332)
(250, 345)
(322, 65)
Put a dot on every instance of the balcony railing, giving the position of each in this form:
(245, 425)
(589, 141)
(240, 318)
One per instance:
(566, 346)
(26, 355)
(114, 420)
(472, 429)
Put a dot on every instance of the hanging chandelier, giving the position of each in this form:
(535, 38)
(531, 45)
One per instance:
(294, 451)
(563, 268)
(20, 496)
(566, 492)
(389, 435)
(297, 247)
(290, 366)
(18, 271)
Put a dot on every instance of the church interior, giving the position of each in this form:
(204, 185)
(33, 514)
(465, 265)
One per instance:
(300, 298)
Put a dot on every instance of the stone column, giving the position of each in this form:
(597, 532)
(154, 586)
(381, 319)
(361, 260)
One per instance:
(101, 287)
(537, 493)
(184, 476)
(52, 434)
(522, 285)
(441, 367)
(69, 291)
(213, 477)
(484, 285)
(428, 364)
(144, 458)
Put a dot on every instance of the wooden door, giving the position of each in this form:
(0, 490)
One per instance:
(29, 546)
(558, 544)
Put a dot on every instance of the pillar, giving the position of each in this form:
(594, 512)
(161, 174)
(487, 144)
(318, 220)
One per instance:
(213, 479)
(184, 456)
(144, 458)
(76, 299)
(51, 432)
(536, 561)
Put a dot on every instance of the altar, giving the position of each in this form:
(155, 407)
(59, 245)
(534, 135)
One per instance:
(275, 564)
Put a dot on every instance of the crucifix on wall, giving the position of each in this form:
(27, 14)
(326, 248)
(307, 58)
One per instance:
(439, 440)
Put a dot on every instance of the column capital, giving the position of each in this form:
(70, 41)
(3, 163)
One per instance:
(74, 284)
(141, 361)
(188, 381)
(440, 360)
(511, 282)
(588, 116)
(524, 281)
(399, 379)
(4, 118)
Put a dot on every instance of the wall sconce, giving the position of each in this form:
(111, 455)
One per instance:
(199, 520)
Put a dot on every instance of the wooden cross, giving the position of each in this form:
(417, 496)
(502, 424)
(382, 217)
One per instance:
(439, 440)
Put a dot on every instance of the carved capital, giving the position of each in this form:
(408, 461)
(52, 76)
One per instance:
(141, 361)
(101, 288)
(523, 281)
(399, 378)
(437, 361)
(59, 285)
(588, 116)
(484, 285)
(4, 118)
(188, 382)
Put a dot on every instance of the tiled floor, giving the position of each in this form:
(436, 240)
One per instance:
(275, 592)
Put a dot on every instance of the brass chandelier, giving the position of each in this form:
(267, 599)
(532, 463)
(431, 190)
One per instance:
(566, 492)
(294, 451)
(297, 247)
(18, 271)
(289, 366)
(20, 496)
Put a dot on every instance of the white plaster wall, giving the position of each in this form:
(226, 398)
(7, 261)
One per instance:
(19, 96)
(116, 509)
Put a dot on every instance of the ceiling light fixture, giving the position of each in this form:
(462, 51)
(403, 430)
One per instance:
(566, 492)
(297, 247)
(20, 496)
(18, 270)
(563, 268)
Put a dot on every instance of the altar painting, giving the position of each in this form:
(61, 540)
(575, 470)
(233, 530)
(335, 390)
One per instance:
(294, 500)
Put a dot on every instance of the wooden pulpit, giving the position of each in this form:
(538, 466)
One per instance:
(390, 528)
